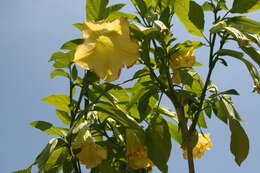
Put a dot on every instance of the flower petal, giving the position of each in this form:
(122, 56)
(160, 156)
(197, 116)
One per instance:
(107, 48)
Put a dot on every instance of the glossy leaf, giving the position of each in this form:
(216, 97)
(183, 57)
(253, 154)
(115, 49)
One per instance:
(188, 16)
(243, 6)
(115, 7)
(196, 15)
(95, 9)
(220, 111)
(74, 73)
(175, 132)
(207, 6)
(252, 53)
(79, 26)
(118, 14)
(207, 108)
(63, 116)
(71, 45)
(60, 101)
(61, 59)
(143, 102)
(141, 5)
(238, 55)
(244, 24)
(27, 170)
(52, 145)
(159, 143)
(230, 92)
(202, 122)
(239, 145)
(48, 128)
(55, 160)
(58, 72)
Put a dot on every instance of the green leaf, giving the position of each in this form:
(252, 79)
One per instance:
(207, 108)
(230, 92)
(53, 144)
(61, 59)
(63, 116)
(118, 14)
(254, 38)
(187, 16)
(74, 73)
(255, 7)
(222, 5)
(79, 26)
(163, 110)
(244, 24)
(143, 102)
(196, 15)
(48, 128)
(220, 111)
(58, 72)
(27, 170)
(68, 165)
(159, 143)
(243, 6)
(175, 132)
(60, 101)
(239, 145)
(207, 6)
(252, 53)
(106, 167)
(71, 45)
(141, 5)
(96, 9)
(241, 38)
(115, 7)
(56, 160)
(228, 52)
(238, 55)
(117, 114)
(202, 122)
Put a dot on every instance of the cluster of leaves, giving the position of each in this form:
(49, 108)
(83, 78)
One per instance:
(110, 108)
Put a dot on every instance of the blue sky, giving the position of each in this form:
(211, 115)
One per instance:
(32, 30)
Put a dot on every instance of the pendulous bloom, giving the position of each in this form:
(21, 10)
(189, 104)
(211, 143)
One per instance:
(181, 58)
(91, 154)
(107, 47)
(204, 143)
(136, 151)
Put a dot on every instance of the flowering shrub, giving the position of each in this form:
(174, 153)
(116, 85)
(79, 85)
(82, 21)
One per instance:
(124, 126)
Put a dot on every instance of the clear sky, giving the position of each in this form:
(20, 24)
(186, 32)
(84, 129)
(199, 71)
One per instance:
(30, 31)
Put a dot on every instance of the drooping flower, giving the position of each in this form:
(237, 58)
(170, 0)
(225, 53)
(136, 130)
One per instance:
(91, 154)
(182, 58)
(204, 143)
(136, 151)
(107, 47)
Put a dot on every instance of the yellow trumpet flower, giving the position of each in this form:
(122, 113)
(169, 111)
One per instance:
(181, 58)
(136, 151)
(107, 47)
(91, 154)
(204, 143)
